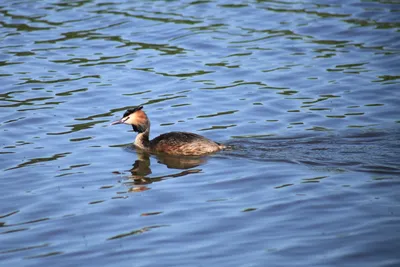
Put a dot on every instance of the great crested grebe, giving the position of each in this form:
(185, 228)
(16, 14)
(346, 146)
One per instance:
(173, 143)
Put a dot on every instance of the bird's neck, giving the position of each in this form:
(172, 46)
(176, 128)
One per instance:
(142, 140)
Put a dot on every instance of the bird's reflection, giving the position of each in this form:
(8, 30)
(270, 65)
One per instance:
(141, 170)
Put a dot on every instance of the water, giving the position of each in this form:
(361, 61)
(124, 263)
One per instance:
(306, 93)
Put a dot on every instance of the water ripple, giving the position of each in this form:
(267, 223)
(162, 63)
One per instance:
(305, 94)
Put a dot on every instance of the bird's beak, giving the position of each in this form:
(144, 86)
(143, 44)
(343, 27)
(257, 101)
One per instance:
(117, 122)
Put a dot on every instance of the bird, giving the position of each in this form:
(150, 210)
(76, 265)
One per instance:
(172, 143)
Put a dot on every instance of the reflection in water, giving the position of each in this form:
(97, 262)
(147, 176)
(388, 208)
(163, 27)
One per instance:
(136, 232)
(38, 160)
(141, 169)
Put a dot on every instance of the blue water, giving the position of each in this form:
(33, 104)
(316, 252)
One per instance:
(305, 93)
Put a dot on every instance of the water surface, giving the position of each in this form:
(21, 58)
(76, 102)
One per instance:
(306, 93)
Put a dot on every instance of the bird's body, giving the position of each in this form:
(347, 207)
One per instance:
(173, 143)
(182, 143)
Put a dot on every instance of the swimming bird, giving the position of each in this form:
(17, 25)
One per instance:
(173, 143)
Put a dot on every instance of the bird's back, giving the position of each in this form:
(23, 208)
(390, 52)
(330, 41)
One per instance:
(183, 143)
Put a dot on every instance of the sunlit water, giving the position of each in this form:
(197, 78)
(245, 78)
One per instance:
(306, 94)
